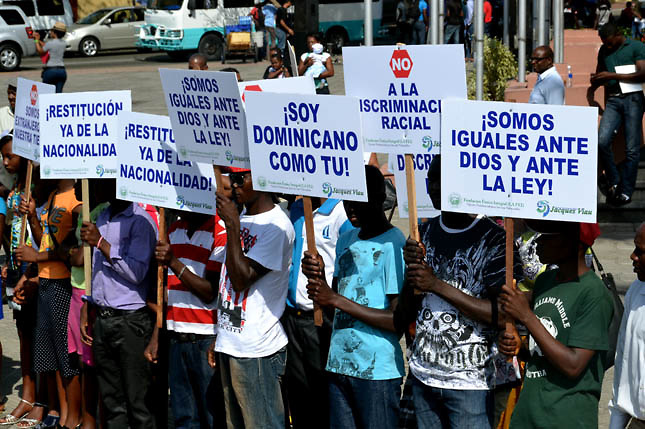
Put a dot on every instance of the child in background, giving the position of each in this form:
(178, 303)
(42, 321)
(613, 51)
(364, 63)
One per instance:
(318, 58)
(277, 69)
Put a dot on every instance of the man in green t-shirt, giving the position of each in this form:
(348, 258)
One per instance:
(567, 316)
(620, 61)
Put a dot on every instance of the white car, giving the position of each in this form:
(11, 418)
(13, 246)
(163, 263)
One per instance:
(16, 38)
(110, 28)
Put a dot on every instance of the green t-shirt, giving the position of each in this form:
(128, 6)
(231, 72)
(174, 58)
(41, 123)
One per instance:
(577, 314)
(627, 54)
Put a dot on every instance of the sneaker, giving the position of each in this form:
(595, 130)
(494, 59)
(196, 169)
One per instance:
(620, 200)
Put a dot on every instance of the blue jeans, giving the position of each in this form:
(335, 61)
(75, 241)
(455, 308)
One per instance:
(618, 110)
(419, 33)
(56, 76)
(448, 408)
(282, 39)
(451, 34)
(252, 392)
(357, 403)
(193, 384)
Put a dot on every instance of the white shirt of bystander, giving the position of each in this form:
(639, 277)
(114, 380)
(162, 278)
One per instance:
(628, 399)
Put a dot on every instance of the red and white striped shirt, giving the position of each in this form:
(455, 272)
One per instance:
(186, 312)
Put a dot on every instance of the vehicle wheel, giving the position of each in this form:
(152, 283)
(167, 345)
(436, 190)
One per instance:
(212, 46)
(338, 38)
(224, 55)
(89, 46)
(10, 57)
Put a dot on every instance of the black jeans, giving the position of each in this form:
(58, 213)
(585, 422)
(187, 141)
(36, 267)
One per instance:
(123, 373)
(305, 376)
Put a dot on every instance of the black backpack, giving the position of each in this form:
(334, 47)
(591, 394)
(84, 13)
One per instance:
(413, 12)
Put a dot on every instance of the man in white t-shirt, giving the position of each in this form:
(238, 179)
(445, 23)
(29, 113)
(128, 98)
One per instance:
(252, 294)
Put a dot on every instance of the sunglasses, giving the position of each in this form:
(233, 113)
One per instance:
(238, 178)
(538, 59)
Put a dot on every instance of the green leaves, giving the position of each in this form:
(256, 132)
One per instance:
(499, 66)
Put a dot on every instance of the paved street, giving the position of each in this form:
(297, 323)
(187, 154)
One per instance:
(138, 72)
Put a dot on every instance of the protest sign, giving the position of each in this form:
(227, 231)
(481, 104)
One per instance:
(292, 58)
(293, 85)
(26, 130)
(421, 162)
(79, 134)
(401, 93)
(207, 116)
(306, 145)
(151, 172)
(519, 160)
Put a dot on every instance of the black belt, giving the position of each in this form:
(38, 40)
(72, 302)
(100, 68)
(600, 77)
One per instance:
(184, 337)
(299, 313)
(107, 312)
(54, 67)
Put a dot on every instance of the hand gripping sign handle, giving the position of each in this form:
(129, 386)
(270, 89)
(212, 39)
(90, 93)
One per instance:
(23, 223)
(161, 271)
(510, 325)
(311, 247)
(87, 250)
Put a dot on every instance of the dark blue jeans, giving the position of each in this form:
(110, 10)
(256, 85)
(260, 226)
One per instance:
(56, 76)
(618, 110)
(252, 390)
(448, 408)
(193, 384)
(357, 403)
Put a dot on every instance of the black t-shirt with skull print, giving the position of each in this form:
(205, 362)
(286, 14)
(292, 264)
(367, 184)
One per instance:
(451, 350)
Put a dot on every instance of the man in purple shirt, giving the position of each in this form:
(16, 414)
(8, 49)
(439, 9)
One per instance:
(123, 242)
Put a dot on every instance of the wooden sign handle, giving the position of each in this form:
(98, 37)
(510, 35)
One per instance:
(311, 247)
(23, 222)
(508, 226)
(412, 197)
(87, 250)
(161, 271)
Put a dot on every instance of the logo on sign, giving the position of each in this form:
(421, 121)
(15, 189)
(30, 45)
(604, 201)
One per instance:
(33, 95)
(229, 156)
(327, 189)
(182, 152)
(123, 191)
(100, 171)
(543, 207)
(427, 143)
(262, 182)
(47, 171)
(180, 201)
(401, 63)
(455, 200)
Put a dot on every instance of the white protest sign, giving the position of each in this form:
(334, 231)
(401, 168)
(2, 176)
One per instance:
(401, 92)
(292, 58)
(292, 85)
(151, 172)
(26, 129)
(519, 160)
(207, 116)
(306, 145)
(79, 134)
(421, 163)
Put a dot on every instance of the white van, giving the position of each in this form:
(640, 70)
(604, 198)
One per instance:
(178, 26)
(42, 14)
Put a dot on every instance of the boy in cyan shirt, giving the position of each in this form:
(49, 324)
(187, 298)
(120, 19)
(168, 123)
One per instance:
(365, 358)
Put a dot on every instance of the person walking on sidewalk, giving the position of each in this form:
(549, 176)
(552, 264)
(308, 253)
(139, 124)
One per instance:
(620, 108)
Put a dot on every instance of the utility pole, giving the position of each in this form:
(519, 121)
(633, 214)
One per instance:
(479, 49)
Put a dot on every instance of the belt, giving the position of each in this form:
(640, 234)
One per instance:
(298, 313)
(185, 337)
(54, 67)
(107, 312)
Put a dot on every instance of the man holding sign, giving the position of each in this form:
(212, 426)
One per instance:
(365, 358)
(252, 294)
(459, 265)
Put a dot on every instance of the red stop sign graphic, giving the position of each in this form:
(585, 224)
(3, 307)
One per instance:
(33, 95)
(251, 88)
(401, 63)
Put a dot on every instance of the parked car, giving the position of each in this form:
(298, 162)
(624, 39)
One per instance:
(110, 28)
(16, 38)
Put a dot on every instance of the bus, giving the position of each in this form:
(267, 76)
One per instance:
(179, 26)
(341, 21)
